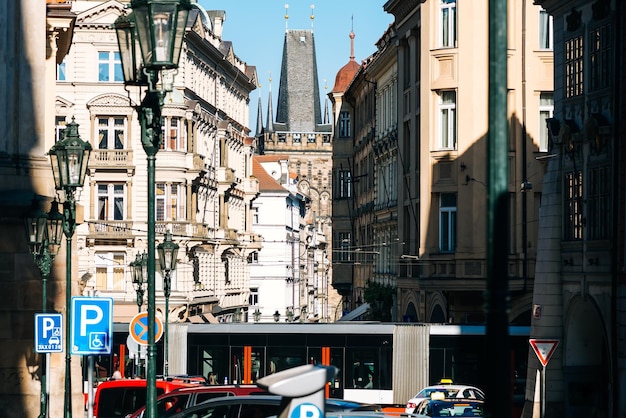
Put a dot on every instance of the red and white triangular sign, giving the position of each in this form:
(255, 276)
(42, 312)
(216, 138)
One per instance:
(544, 349)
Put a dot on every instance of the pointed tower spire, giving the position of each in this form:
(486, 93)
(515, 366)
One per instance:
(259, 119)
(352, 35)
(286, 17)
(270, 110)
(326, 114)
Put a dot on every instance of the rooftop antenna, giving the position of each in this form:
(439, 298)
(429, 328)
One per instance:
(286, 16)
(312, 16)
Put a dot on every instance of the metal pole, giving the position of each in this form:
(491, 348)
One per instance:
(44, 360)
(543, 391)
(90, 371)
(69, 224)
(496, 294)
(166, 291)
(150, 118)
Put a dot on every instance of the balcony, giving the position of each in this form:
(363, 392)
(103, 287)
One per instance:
(110, 232)
(183, 228)
(111, 158)
(225, 175)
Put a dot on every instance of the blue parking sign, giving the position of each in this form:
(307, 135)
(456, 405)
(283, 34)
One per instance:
(92, 325)
(48, 333)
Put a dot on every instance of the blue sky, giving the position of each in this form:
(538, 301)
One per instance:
(257, 29)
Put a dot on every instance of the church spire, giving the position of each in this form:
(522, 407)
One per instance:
(326, 114)
(270, 110)
(259, 119)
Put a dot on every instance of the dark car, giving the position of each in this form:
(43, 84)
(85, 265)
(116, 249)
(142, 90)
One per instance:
(184, 398)
(257, 406)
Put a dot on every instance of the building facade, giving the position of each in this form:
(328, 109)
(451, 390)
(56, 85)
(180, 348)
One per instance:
(203, 169)
(299, 130)
(34, 39)
(579, 280)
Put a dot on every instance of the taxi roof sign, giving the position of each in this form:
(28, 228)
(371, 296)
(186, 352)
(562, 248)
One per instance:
(544, 349)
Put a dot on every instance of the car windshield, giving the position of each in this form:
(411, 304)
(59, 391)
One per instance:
(447, 392)
(457, 410)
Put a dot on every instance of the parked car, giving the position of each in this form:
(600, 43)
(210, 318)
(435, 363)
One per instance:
(441, 407)
(449, 390)
(249, 406)
(186, 397)
(119, 398)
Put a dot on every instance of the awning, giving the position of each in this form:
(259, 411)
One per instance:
(355, 313)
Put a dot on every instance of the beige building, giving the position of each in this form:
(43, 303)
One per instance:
(442, 171)
(203, 170)
(424, 119)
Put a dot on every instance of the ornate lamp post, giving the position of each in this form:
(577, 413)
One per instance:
(168, 251)
(44, 233)
(136, 271)
(158, 26)
(257, 315)
(69, 159)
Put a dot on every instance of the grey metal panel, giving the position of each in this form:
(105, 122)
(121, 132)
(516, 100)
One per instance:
(410, 360)
(177, 349)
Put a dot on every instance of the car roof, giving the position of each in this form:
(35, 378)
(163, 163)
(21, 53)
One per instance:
(217, 388)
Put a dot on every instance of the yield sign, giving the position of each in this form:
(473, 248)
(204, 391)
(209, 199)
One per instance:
(544, 349)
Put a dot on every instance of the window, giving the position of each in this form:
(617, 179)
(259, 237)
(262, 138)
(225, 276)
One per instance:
(447, 120)
(546, 111)
(573, 219)
(253, 257)
(448, 23)
(110, 271)
(342, 252)
(344, 124)
(109, 66)
(447, 222)
(60, 123)
(174, 134)
(345, 184)
(545, 30)
(170, 202)
(61, 71)
(599, 57)
(598, 203)
(253, 299)
(111, 132)
(574, 67)
(111, 202)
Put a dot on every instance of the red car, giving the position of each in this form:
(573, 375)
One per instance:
(180, 399)
(119, 398)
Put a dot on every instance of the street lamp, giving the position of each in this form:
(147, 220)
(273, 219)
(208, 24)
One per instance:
(168, 251)
(69, 159)
(136, 270)
(44, 233)
(159, 27)
(257, 315)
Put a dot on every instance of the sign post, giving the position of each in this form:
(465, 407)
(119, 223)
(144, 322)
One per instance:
(544, 350)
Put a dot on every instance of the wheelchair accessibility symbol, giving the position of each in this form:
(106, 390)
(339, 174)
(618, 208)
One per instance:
(98, 340)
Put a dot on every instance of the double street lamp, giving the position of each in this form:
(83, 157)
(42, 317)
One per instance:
(158, 27)
(44, 233)
(69, 159)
